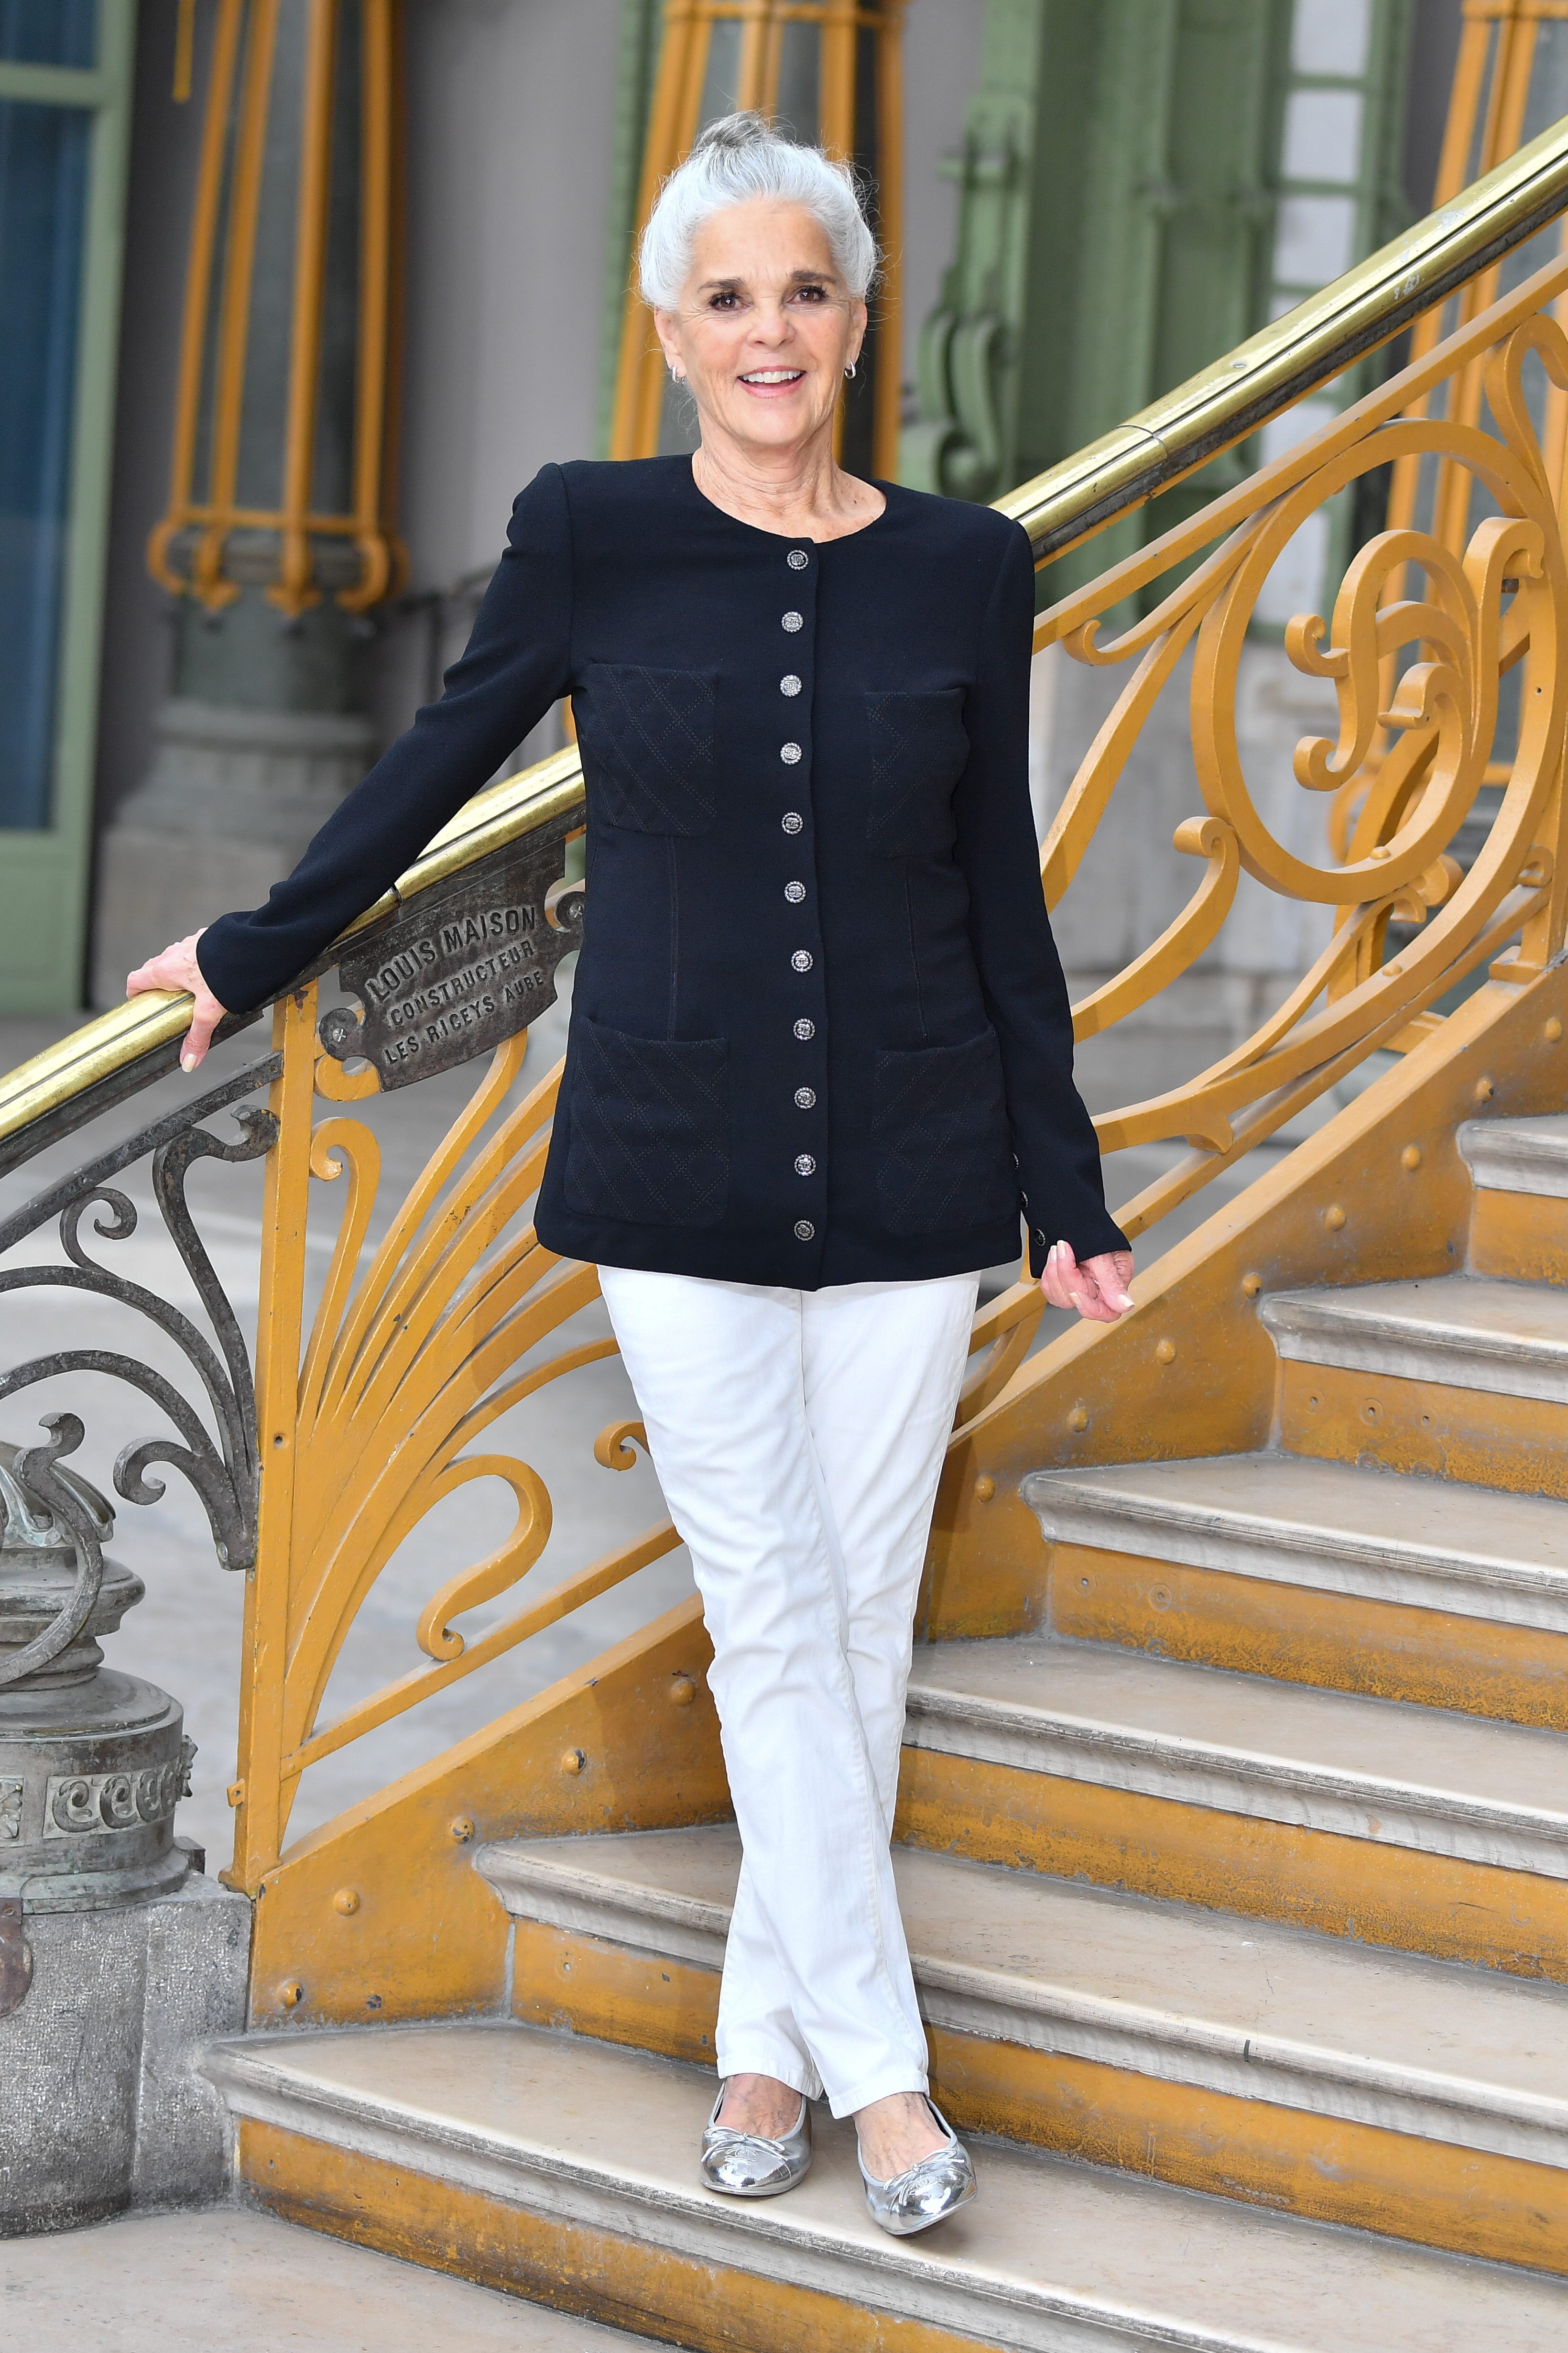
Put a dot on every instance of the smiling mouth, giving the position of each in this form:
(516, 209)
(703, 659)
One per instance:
(768, 378)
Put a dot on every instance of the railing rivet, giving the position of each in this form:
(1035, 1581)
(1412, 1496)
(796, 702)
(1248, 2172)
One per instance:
(462, 1828)
(682, 1691)
(1411, 1155)
(1334, 1219)
(1165, 1354)
(1079, 1418)
(1484, 1090)
(290, 1993)
(573, 1761)
(346, 1900)
(985, 1487)
(1251, 1284)
(1553, 1030)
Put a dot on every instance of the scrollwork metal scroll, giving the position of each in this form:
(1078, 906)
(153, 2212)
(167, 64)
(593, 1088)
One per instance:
(223, 1473)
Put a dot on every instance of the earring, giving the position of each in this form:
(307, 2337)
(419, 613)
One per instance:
(850, 369)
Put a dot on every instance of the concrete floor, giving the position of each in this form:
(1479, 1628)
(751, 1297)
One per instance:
(235, 2282)
(185, 1635)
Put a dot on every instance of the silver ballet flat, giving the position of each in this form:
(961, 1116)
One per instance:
(748, 2165)
(923, 2193)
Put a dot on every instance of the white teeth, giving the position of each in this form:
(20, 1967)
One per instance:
(774, 375)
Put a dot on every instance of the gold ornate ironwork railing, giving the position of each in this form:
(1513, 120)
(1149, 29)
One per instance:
(420, 1346)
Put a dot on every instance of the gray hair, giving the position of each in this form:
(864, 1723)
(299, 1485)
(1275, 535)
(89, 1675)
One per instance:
(736, 159)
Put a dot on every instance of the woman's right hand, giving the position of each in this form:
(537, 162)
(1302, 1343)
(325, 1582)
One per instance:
(177, 969)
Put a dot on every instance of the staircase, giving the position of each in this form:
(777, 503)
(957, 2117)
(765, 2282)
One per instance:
(1238, 1890)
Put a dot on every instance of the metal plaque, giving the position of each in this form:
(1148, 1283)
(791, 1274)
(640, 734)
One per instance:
(461, 968)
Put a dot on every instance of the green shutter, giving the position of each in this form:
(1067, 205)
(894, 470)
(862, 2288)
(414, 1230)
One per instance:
(1120, 221)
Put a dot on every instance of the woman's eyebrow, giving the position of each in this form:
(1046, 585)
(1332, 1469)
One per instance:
(732, 285)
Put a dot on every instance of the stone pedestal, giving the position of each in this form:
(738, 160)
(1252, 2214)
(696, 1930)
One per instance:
(117, 1961)
(100, 2103)
(232, 800)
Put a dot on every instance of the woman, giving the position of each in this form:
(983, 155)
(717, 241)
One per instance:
(820, 1056)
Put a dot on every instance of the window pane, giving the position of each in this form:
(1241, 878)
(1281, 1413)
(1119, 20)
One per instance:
(48, 32)
(43, 183)
(1329, 37)
(800, 73)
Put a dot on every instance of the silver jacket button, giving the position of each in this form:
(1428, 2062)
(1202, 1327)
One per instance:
(789, 754)
(805, 1098)
(805, 1166)
(794, 892)
(804, 1231)
(789, 683)
(805, 1029)
(792, 820)
(793, 621)
(802, 959)
(797, 559)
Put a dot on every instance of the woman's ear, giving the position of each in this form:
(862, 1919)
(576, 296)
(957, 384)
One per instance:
(664, 325)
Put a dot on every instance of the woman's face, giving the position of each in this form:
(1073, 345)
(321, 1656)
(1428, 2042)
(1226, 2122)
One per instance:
(766, 325)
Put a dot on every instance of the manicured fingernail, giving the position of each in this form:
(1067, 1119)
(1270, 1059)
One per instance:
(187, 1061)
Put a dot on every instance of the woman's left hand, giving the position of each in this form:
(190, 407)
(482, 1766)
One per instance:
(1097, 1288)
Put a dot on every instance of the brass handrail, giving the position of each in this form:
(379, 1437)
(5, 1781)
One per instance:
(1308, 346)
(69, 1082)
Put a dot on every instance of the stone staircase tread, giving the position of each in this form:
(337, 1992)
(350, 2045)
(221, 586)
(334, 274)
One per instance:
(1248, 2008)
(1517, 1155)
(1051, 2254)
(1376, 1768)
(1458, 1330)
(1339, 1526)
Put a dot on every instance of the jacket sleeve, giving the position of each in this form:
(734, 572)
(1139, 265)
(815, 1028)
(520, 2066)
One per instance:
(1020, 971)
(516, 664)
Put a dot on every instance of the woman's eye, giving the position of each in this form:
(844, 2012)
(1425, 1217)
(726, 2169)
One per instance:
(723, 301)
(810, 293)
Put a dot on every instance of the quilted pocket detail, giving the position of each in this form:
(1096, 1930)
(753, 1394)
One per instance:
(649, 1127)
(647, 746)
(939, 1125)
(919, 750)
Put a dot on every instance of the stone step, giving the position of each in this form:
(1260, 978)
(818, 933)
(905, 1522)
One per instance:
(1319, 1572)
(1517, 1155)
(1518, 1223)
(1509, 1339)
(1398, 2094)
(565, 2170)
(1422, 1543)
(1431, 1831)
(1407, 1375)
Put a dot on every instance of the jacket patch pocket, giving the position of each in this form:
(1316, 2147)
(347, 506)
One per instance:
(649, 1138)
(919, 750)
(939, 1126)
(647, 746)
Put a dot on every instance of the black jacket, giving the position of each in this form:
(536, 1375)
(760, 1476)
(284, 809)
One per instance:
(819, 1031)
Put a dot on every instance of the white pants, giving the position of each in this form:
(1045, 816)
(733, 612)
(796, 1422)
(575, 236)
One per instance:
(798, 1436)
